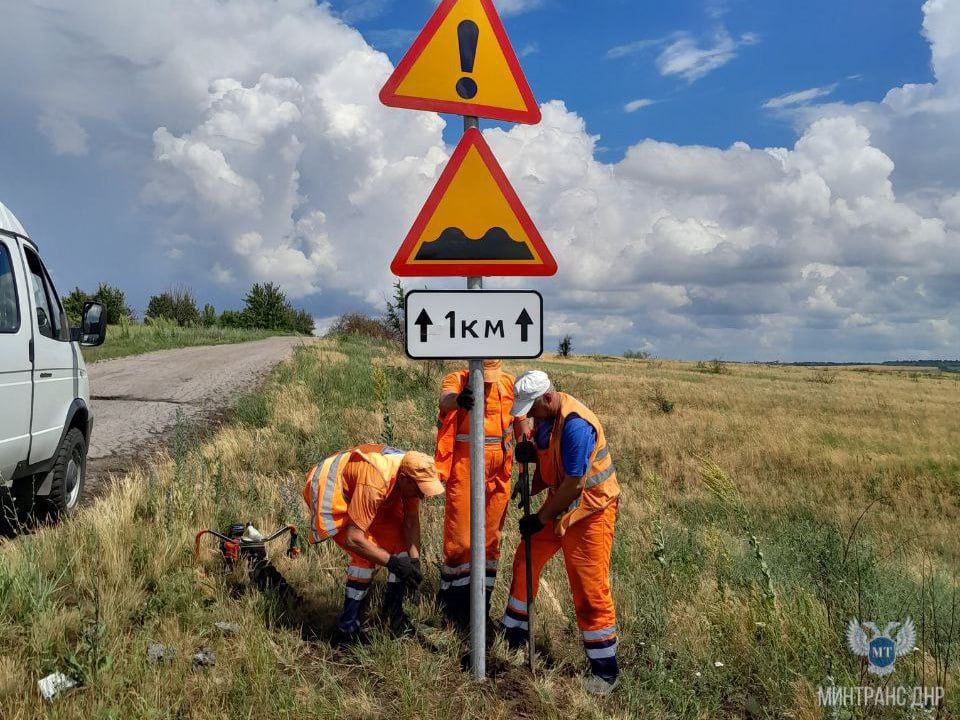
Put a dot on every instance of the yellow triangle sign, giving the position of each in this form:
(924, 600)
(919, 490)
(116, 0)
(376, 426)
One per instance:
(473, 224)
(462, 63)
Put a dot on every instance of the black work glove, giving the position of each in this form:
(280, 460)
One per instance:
(465, 399)
(407, 570)
(526, 452)
(530, 525)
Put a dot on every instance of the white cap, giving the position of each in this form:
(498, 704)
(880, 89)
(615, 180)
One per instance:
(531, 385)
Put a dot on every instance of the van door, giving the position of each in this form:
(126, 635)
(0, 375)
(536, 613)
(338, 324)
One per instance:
(15, 368)
(55, 365)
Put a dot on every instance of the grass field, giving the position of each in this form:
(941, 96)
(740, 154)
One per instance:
(130, 339)
(763, 507)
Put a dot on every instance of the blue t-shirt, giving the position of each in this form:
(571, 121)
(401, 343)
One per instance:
(576, 446)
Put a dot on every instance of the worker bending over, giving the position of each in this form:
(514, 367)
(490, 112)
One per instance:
(453, 467)
(368, 500)
(577, 518)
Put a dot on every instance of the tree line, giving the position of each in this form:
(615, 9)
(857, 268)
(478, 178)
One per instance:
(266, 307)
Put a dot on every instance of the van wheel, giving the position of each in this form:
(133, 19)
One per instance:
(69, 475)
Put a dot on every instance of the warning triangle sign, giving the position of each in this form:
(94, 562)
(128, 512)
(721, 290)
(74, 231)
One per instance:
(462, 63)
(473, 224)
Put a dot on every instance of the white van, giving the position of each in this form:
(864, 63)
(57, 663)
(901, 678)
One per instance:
(45, 415)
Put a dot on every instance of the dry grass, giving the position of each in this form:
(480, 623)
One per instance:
(738, 543)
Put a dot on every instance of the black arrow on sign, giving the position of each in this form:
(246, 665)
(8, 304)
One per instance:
(524, 321)
(424, 321)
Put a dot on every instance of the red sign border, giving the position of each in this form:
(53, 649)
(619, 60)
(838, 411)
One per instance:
(401, 265)
(390, 98)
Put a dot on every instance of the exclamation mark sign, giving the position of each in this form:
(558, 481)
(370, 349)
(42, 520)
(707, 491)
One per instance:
(469, 36)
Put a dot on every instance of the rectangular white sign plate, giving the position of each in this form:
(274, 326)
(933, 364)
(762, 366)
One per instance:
(474, 324)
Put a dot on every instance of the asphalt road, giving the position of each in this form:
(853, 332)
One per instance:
(136, 399)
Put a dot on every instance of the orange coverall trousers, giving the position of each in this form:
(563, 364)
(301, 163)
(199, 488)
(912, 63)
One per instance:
(386, 532)
(586, 550)
(454, 597)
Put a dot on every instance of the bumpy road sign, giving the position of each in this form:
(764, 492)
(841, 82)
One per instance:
(462, 63)
(473, 224)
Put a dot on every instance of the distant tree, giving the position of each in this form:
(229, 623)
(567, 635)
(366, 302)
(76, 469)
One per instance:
(177, 304)
(566, 346)
(231, 319)
(114, 303)
(73, 306)
(209, 316)
(300, 321)
(267, 307)
(395, 319)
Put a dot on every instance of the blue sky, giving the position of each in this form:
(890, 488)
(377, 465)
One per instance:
(863, 47)
(215, 143)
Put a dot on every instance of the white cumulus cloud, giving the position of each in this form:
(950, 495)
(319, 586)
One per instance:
(258, 150)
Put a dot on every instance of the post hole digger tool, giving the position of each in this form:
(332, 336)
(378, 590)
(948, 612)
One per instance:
(526, 453)
(242, 544)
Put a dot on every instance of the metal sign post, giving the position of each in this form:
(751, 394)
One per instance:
(478, 503)
(463, 63)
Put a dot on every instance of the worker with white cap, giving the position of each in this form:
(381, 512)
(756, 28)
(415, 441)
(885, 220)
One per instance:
(501, 431)
(577, 518)
(367, 499)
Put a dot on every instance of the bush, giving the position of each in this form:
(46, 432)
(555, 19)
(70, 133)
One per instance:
(637, 355)
(663, 403)
(231, 319)
(565, 348)
(300, 321)
(177, 304)
(714, 367)
(363, 325)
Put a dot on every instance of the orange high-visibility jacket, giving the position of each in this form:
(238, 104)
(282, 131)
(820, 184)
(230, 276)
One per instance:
(328, 490)
(454, 426)
(601, 486)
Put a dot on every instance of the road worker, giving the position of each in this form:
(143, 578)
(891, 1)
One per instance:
(453, 466)
(577, 518)
(368, 500)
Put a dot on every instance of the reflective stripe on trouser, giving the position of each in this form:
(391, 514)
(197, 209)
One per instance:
(586, 555)
(454, 596)
(386, 532)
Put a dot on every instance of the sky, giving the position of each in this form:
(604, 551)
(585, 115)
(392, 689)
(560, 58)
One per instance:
(716, 178)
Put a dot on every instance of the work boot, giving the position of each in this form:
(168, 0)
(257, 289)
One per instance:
(596, 685)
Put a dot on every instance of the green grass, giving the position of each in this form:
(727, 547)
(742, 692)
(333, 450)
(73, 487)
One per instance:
(129, 339)
(733, 583)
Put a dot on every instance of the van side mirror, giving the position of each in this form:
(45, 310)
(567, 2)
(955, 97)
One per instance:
(93, 328)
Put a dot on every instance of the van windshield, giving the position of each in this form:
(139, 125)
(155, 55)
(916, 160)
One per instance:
(9, 311)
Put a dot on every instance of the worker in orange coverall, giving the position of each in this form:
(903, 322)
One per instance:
(501, 430)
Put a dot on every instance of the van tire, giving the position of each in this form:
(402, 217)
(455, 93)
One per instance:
(69, 477)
